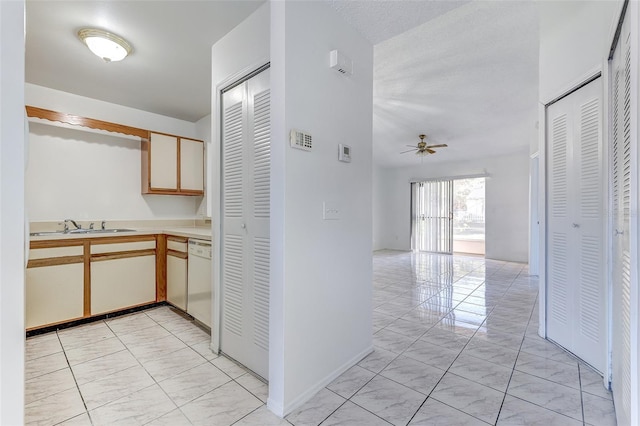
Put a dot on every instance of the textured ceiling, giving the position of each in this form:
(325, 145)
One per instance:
(468, 78)
(464, 73)
(379, 20)
(169, 71)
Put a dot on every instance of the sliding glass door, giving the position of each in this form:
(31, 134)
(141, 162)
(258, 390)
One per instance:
(431, 216)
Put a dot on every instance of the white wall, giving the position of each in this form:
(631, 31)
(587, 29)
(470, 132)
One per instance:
(506, 205)
(12, 232)
(574, 41)
(321, 270)
(203, 128)
(87, 175)
(379, 206)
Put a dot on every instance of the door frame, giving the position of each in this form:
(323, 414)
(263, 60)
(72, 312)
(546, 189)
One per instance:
(215, 158)
(534, 214)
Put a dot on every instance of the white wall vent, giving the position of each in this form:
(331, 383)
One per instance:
(301, 140)
(340, 62)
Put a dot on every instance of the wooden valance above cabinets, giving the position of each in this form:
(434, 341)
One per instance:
(170, 164)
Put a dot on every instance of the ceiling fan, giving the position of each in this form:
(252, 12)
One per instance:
(422, 148)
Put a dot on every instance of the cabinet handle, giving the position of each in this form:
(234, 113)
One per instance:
(575, 225)
(243, 226)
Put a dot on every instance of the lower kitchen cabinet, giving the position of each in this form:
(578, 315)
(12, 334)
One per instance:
(177, 281)
(54, 294)
(123, 273)
(121, 283)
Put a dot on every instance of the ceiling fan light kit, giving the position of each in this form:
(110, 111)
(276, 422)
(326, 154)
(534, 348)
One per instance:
(422, 149)
(107, 46)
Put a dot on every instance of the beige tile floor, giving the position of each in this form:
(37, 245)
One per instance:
(455, 344)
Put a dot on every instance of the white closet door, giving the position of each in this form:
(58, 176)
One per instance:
(575, 219)
(245, 244)
(621, 185)
(590, 335)
(559, 313)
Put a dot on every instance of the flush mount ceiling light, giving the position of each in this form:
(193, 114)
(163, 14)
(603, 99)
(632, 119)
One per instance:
(105, 45)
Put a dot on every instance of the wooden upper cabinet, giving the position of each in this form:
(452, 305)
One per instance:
(172, 165)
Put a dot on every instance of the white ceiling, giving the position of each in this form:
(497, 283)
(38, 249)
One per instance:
(169, 72)
(467, 78)
(465, 73)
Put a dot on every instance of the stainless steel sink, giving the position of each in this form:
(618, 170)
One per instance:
(109, 231)
(81, 231)
(45, 233)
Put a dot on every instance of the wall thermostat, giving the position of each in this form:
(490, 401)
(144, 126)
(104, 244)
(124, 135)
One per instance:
(344, 153)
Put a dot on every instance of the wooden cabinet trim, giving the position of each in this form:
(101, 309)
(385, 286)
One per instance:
(161, 268)
(122, 255)
(87, 279)
(156, 191)
(55, 243)
(91, 123)
(177, 239)
(174, 136)
(180, 254)
(53, 261)
(122, 239)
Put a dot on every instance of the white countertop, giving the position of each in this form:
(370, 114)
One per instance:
(188, 232)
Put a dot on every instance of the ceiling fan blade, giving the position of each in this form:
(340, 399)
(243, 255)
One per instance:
(430, 151)
(412, 146)
(409, 150)
(442, 145)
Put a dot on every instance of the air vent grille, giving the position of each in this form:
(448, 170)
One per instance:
(301, 140)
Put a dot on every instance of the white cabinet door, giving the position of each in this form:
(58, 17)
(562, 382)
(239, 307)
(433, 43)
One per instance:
(54, 294)
(164, 161)
(191, 165)
(576, 281)
(245, 241)
(121, 283)
(177, 281)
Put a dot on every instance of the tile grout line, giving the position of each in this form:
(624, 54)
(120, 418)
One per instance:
(447, 371)
(584, 421)
(86, 409)
(518, 356)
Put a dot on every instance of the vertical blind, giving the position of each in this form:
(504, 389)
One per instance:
(431, 216)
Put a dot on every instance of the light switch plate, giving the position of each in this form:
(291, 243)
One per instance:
(330, 212)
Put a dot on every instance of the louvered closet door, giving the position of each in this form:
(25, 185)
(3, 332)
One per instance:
(576, 308)
(620, 148)
(245, 223)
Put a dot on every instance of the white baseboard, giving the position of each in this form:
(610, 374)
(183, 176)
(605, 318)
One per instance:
(278, 408)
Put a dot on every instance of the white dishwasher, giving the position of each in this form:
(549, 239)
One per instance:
(199, 287)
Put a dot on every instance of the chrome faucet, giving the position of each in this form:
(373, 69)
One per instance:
(73, 222)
